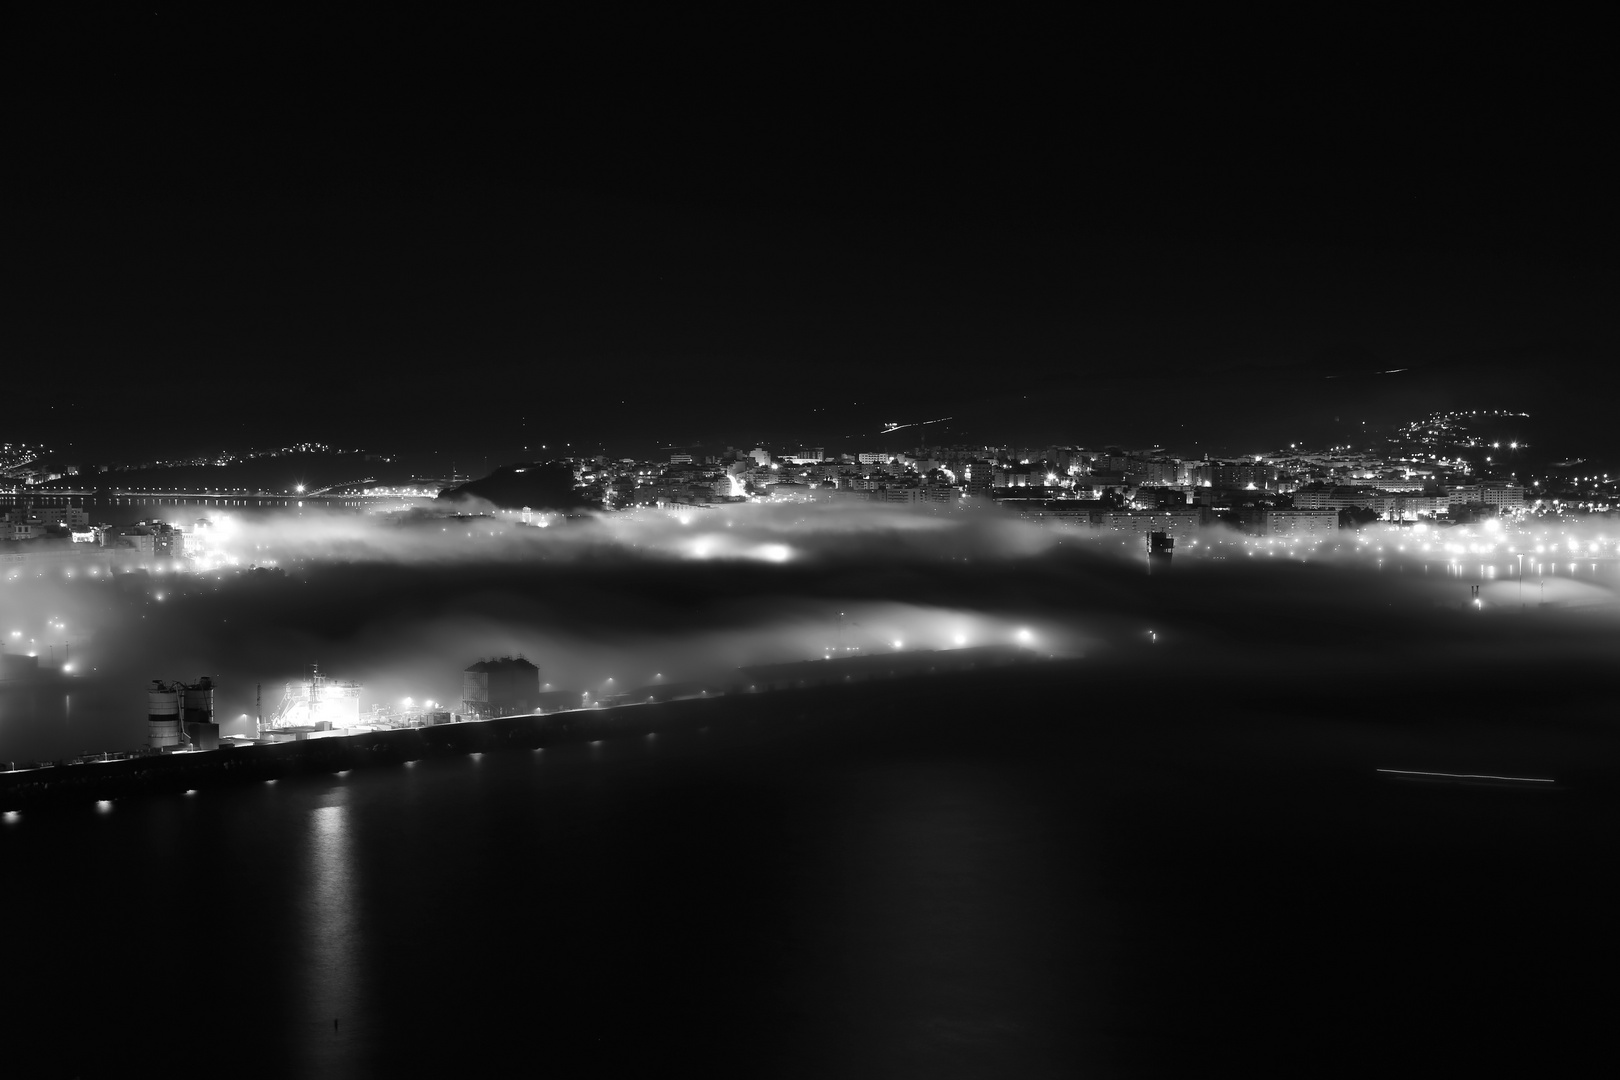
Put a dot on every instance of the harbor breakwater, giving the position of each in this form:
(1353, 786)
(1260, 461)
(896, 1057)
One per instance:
(154, 774)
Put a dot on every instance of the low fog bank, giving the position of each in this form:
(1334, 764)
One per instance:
(750, 532)
(608, 604)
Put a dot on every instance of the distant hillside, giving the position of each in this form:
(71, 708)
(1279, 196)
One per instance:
(545, 485)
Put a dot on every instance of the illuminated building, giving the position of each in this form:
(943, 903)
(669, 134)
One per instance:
(1489, 493)
(1177, 524)
(1394, 506)
(317, 704)
(142, 539)
(147, 540)
(1303, 523)
(22, 524)
(922, 493)
(1156, 473)
(505, 687)
(1150, 497)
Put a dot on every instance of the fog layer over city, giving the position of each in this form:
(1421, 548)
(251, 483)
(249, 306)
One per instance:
(609, 604)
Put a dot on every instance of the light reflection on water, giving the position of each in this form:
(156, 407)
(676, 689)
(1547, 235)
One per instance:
(332, 933)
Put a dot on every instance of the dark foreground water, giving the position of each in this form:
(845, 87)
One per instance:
(988, 878)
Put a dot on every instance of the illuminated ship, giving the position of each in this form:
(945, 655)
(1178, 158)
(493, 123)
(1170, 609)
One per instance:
(317, 704)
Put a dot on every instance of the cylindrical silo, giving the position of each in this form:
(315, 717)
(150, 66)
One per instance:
(162, 716)
(199, 701)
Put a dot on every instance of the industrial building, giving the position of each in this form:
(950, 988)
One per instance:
(197, 714)
(509, 686)
(181, 716)
(316, 704)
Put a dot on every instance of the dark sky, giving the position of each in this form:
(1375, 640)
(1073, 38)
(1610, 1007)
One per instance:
(423, 231)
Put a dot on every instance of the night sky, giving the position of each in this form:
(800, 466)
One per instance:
(422, 231)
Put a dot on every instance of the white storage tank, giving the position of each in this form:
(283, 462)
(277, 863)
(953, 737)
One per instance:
(199, 701)
(197, 714)
(162, 716)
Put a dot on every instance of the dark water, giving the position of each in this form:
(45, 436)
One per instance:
(994, 879)
(52, 718)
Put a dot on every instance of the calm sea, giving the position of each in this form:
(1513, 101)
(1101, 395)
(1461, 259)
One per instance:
(1050, 881)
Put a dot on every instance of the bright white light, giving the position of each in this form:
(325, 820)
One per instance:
(961, 640)
(776, 553)
(1025, 636)
(898, 644)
